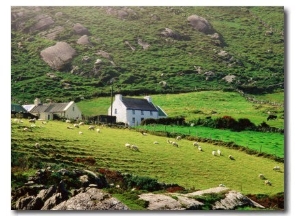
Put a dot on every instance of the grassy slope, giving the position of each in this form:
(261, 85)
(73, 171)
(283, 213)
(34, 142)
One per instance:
(199, 105)
(184, 165)
(241, 29)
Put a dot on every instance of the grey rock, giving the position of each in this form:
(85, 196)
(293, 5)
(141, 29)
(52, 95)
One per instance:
(92, 199)
(80, 29)
(59, 55)
(200, 24)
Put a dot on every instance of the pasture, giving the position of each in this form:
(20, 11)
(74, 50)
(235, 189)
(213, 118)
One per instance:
(270, 143)
(201, 104)
(61, 147)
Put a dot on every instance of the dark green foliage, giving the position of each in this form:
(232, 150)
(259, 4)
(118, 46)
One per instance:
(209, 199)
(164, 121)
(141, 182)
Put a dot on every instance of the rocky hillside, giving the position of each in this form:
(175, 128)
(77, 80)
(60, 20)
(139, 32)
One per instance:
(79, 189)
(73, 53)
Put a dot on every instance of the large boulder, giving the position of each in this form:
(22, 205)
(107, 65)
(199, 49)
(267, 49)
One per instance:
(200, 24)
(84, 40)
(80, 29)
(59, 55)
(42, 22)
(91, 199)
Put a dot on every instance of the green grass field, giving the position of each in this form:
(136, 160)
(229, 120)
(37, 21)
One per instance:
(200, 105)
(271, 143)
(184, 165)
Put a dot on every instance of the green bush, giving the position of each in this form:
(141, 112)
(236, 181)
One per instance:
(141, 182)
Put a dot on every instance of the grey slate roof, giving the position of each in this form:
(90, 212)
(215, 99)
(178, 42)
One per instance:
(138, 104)
(50, 108)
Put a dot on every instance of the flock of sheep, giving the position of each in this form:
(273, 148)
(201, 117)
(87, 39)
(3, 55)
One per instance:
(196, 144)
(136, 148)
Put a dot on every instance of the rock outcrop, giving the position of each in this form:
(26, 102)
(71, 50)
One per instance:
(200, 24)
(59, 55)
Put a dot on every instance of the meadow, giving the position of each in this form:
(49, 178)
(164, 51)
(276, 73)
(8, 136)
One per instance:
(270, 143)
(201, 104)
(185, 165)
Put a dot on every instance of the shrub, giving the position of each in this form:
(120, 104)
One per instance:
(141, 182)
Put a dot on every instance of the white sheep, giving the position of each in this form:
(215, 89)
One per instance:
(32, 120)
(175, 144)
(98, 130)
(92, 127)
(219, 152)
(276, 168)
(76, 125)
(37, 145)
(127, 145)
(155, 142)
(221, 185)
(214, 153)
(80, 132)
(26, 129)
(261, 176)
(68, 121)
(267, 182)
(81, 123)
(178, 138)
(32, 125)
(231, 157)
(169, 141)
(135, 148)
(43, 122)
(199, 148)
(195, 144)
(70, 127)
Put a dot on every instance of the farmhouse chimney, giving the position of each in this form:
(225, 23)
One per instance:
(148, 98)
(37, 102)
(118, 97)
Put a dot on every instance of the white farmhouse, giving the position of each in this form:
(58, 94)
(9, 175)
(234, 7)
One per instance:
(48, 111)
(132, 111)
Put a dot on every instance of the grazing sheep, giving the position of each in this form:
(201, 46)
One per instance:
(169, 141)
(127, 145)
(98, 130)
(221, 185)
(219, 152)
(32, 125)
(276, 168)
(43, 122)
(178, 138)
(32, 120)
(155, 142)
(267, 182)
(92, 127)
(199, 148)
(26, 129)
(231, 157)
(175, 144)
(214, 153)
(145, 134)
(70, 127)
(37, 145)
(195, 144)
(261, 176)
(81, 123)
(68, 121)
(135, 148)
(80, 132)
(76, 125)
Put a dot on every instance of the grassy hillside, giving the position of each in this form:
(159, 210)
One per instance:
(246, 42)
(186, 166)
(196, 105)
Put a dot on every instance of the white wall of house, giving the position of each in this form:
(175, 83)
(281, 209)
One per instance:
(72, 111)
(135, 117)
(46, 116)
(118, 109)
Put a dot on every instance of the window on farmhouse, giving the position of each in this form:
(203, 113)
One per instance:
(133, 112)
(142, 112)
(116, 111)
(133, 120)
(151, 113)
